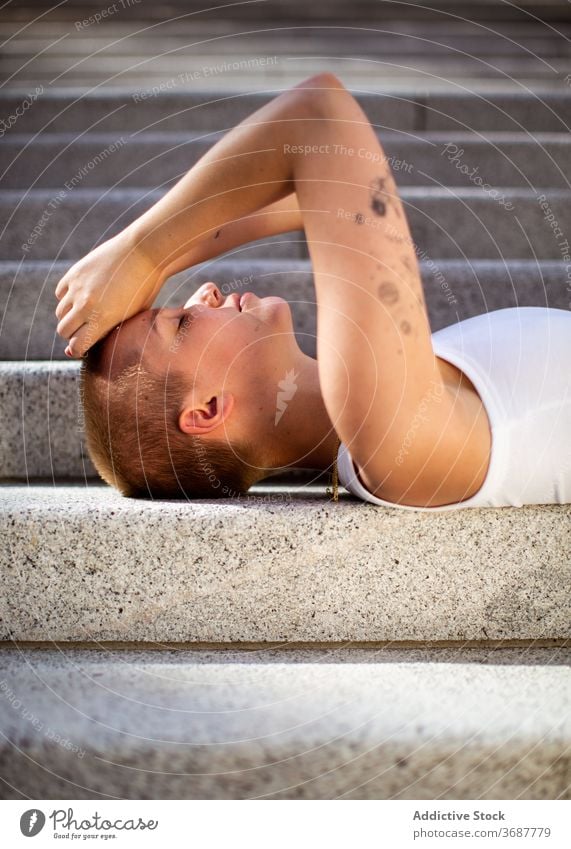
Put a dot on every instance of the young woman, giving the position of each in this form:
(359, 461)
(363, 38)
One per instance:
(477, 414)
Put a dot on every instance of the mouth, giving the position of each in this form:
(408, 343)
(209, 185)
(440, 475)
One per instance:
(234, 299)
(243, 300)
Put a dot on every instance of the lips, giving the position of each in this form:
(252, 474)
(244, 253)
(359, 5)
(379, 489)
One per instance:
(243, 299)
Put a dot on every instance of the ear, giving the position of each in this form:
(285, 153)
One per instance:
(206, 417)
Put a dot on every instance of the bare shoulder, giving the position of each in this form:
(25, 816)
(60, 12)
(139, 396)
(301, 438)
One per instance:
(431, 467)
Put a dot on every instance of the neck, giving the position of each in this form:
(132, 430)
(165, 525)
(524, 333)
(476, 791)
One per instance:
(305, 437)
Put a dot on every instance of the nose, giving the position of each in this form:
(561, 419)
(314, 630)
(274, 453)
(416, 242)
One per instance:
(208, 294)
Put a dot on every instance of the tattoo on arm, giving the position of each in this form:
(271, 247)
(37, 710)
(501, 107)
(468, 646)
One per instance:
(388, 293)
(387, 290)
(380, 197)
(378, 204)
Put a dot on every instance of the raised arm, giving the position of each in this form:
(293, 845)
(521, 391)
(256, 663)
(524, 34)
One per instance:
(123, 276)
(118, 279)
(375, 356)
(283, 216)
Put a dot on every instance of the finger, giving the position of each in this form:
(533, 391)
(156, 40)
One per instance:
(74, 347)
(64, 307)
(81, 342)
(62, 288)
(70, 323)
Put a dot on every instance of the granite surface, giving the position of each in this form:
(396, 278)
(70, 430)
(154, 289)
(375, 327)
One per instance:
(41, 421)
(96, 724)
(84, 563)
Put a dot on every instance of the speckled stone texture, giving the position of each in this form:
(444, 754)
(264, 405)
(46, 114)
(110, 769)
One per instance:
(282, 725)
(41, 422)
(85, 563)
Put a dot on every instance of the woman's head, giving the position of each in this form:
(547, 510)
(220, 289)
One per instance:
(178, 402)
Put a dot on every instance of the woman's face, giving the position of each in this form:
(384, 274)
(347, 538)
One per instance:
(224, 347)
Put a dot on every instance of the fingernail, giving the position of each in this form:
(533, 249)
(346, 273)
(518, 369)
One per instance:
(68, 352)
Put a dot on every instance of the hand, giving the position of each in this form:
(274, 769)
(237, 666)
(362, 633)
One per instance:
(109, 285)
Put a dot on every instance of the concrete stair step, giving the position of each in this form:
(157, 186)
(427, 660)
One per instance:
(374, 45)
(416, 108)
(284, 723)
(140, 69)
(454, 290)
(380, 40)
(416, 10)
(156, 159)
(394, 79)
(186, 27)
(449, 223)
(282, 563)
(41, 412)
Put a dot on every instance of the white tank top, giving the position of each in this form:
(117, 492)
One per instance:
(519, 360)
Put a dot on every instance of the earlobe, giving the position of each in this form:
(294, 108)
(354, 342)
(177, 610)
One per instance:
(206, 417)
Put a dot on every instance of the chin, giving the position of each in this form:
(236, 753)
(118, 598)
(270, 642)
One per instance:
(283, 309)
(275, 303)
(272, 309)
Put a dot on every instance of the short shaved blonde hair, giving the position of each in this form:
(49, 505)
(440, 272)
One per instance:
(134, 440)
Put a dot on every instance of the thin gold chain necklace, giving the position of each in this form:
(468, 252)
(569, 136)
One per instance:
(334, 481)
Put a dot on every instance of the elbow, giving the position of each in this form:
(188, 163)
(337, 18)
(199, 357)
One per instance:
(320, 94)
(324, 80)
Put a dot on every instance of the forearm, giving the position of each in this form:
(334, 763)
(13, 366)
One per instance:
(246, 171)
(238, 189)
(283, 216)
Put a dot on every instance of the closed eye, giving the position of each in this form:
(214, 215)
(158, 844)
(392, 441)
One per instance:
(184, 320)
